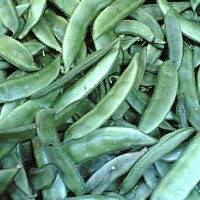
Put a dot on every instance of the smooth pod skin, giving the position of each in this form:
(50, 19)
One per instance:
(76, 30)
(88, 62)
(112, 170)
(41, 160)
(132, 27)
(141, 191)
(43, 32)
(166, 144)
(22, 133)
(66, 6)
(34, 14)
(21, 9)
(43, 177)
(34, 46)
(189, 29)
(110, 139)
(89, 81)
(47, 133)
(15, 53)
(57, 23)
(107, 106)
(25, 113)
(174, 39)
(142, 16)
(188, 89)
(8, 15)
(7, 176)
(194, 4)
(15, 89)
(177, 184)
(120, 9)
(155, 11)
(153, 116)
(94, 197)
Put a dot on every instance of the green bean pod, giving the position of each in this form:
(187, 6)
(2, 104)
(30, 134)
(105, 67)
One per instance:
(142, 16)
(66, 6)
(155, 11)
(177, 184)
(151, 177)
(132, 27)
(189, 29)
(12, 90)
(34, 46)
(44, 33)
(57, 23)
(21, 9)
(110, 139)
(43, 177)
(119, 9)
(48, 136)
(105, 108)
(166, 144)
(15, 53)
(141, 192)
(7, 176)
(188, 89)
(8, 16)
(195, 4)
(58, 189)
(153, 116)
(89, 81)
(94, 197)
(25, 113)
(77, 28)
(34, 14)
(175, 41)
(88, 62)
(109, 172)
(196, 59)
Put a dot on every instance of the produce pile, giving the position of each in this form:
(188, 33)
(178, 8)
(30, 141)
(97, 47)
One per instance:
(99, 100)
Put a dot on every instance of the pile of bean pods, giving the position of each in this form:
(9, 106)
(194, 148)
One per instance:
(99, 100)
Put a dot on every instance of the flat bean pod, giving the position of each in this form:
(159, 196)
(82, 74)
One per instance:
(94, 197)
(88, 62)
(153, 116)
(34, 46)
(136, 28)
(175, 184)
(194, 4)
(58, 189)
(57, 23)
(8, 16)
(6, 177)
(119, 9)
(12, 90)
(67, 7)
(43, 32)
(165, 145)
(142, 16)
(110, 139)
(175, 41)
(187, 88)
(89, 81)
(109, 172)
(189, 29)
(97, 116)
(155, 11)
(15, 53)
(77, 28)
(48, 136)
(34, 14)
